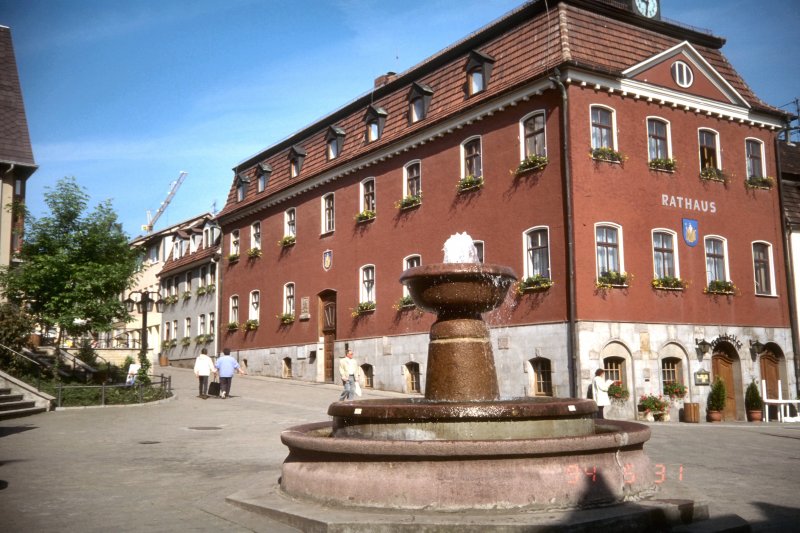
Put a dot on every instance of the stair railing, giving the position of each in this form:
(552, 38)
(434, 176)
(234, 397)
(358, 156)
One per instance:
(35, 364)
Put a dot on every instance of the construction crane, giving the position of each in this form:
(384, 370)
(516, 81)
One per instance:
(173, 188)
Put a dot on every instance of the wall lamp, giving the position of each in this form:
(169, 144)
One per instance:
(703, 345)
(756, 348)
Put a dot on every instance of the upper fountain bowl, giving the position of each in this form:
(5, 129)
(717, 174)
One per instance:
(458, 287)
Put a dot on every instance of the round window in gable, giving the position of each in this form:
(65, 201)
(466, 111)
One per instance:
(682, 74)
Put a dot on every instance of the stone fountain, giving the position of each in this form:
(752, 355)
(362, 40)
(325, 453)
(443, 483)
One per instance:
(462, 447)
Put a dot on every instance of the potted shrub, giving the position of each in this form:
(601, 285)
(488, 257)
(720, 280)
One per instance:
(753, 403)
(716, 401)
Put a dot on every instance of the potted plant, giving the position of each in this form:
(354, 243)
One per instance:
(612, 279)
(365, 215)
(759, 182)
(412, 200)
(606, 154)
(675, 390)
(286, 318)
(617, 393)
(669, 283)
(665, 164)
(254, 253)
(362, 308)
(251, 325)
(655, 407)
(469, 183)
(233, 326)
(533, 284)
(715, 403)
(532, 162)
(287, 240)
(753, 403)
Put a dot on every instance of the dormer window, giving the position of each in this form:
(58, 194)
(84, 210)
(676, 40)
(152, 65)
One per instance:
(419, 100)
(375, 120)
(334, 141)
(296, 156)
(479, 71)
(241, 186)
(264, 172)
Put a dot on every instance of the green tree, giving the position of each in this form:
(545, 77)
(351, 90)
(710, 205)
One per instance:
(74, 264)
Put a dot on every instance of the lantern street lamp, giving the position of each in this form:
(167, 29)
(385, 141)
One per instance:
(144, 305)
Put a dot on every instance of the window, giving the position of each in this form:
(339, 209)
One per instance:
(334, 140)
(235, 242)
(212, 326)
(367, 290)
(328, 213)
(212, 274)
(537, 253)
(289, 225)
(410, 262)
(664, 261)
(709, 148)
(755, 158)
(614, 368)
(479, 249)
(152, 254)
(542, 383)
(602, 127)
(255, 235)
(533, 138)
(175, 286)
(412, 179)
(471, 158)
(201, 325)
(187, 327)
(175, 329)
(762, 268)
(255, 300)
(419, 99)
(671, 371)
(657, 139)
(479, 71)
(234, 310)
(375, 120)
(202, 281)
(682, 74)
(288, 299)
(296, 156)
(367, 195)
(264, 172)
(716, 269)
(188, 282)
(608, 249)
(241, 187)
(168, 288)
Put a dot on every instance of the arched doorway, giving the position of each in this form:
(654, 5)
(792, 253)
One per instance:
(725, 365)
(327, 329)
(772, 366)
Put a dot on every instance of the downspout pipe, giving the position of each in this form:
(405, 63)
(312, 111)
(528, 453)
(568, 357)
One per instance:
(573, 360)
(787, 251)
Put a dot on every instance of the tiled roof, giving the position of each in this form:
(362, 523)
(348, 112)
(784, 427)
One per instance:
(526, 45)
(199, 256)
(15, 144)
(790, 182)
(790, 160)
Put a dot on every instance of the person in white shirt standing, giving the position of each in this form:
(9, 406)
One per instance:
(348, 368)
(600, 387)
(203, 368)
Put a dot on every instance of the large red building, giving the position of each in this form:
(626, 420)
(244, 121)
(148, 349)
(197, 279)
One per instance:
(642, 221)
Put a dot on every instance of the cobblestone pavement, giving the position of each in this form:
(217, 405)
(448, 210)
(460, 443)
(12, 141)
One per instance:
(169, 467)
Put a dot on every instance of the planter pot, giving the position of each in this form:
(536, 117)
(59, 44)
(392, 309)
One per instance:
(715, 416)
(754, 415)
(163, 360)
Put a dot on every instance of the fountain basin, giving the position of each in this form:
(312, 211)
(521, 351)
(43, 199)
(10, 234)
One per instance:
(607, 466)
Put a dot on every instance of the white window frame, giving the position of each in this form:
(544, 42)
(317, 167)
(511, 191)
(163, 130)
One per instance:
(233, 308)
(669, 134)
(189, 277)
(522, 148)
(406, 192)
(480, 246)
(212, 325)
(254, 305)
(464, 155)
(289, 301)
(175, 329)
(725, 258)
(682, 74)
(406, 266)
(675, 248)
(235, 239)
(373, 130)
(362, 189)
(366, 294)
(620, 246)
(241, 190)
(417, 109)
(771, 272)
(474, 74)
(747, 158)
(187, 327)
(255, 235)
(201, 324)
(324, 228)
(290, 222)
(202, 280)
(613, 126)
(527, 268)
(717, 148)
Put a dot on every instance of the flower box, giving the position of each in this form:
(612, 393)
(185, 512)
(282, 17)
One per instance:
(285, 318)
(171, 299)
(232, 258)
(233, 326)
(251, 325)
(754, 182)
(469, 183)
(407, 202)
(674, 390)
(713, 174)
(287, 240)
(532, 163)
(617, 393)
(186, 341)
(669, 283)
(608, 155)
(186, 295)
(720, 287)
(363, 308)
(200, 291)
(405, 302)
(254, 253)
(365, 216)
(663, 164)
(535, 283)
(613, 279)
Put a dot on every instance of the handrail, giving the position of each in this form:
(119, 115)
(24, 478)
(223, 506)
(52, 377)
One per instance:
(39, 366)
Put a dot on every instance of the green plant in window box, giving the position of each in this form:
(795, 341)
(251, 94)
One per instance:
(166, 344)
(200, 339)
(186, 341)
(200, 291)
(173, 299)
(665, 163)
(285, 318)
(470, 182)
(254, 253)
(669, 282)
(173, 343)
(612, 279)
(606, 154)
(675, 390)
(287, 240)
(713, 174)
(534, 283)
(251, 325)
(759, 182)
(720, 286)
(186, 295)
(653, 404)
(412, 200)
(617, 393)
(365, 215)
(405, 302)
(363, 308)
(233, 326)
(232, 258)
(210, 288)
(532, 162)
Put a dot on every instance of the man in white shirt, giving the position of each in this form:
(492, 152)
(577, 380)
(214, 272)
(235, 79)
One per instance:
(348, 368)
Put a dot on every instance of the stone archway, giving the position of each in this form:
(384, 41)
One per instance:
(616, 360)
(772, 365)
(726, 365)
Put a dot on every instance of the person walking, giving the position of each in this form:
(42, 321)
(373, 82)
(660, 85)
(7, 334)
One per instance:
(203, 368)
(348, 368)
(227, 367)
(600, 387)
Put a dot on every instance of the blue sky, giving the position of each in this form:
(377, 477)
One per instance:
(124, 95)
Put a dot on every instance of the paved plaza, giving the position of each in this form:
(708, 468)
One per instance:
(169, 467)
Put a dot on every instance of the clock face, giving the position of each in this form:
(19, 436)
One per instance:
(646, 8)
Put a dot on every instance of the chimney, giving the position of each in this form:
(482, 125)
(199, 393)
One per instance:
(383, 79)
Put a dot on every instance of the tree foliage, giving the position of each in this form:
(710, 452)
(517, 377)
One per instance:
(74, 265)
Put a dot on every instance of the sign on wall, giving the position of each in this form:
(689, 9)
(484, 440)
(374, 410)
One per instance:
(691, 231)
(327, 260)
